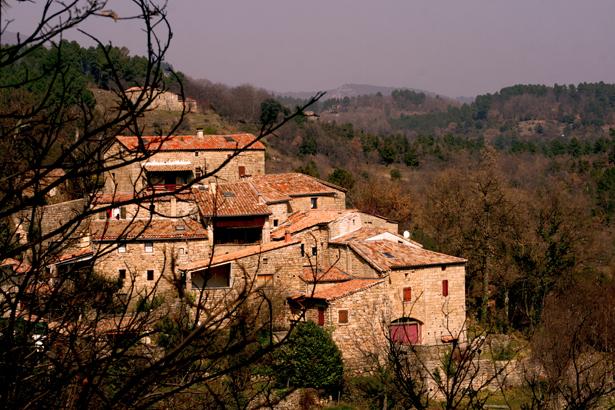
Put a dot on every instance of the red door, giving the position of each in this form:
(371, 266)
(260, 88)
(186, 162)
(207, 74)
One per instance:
(405, 333)
(321, 316)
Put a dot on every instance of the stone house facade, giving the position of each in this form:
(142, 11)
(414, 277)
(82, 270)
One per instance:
(160, 164)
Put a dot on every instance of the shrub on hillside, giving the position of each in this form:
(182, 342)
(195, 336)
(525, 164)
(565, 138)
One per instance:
(309, 359)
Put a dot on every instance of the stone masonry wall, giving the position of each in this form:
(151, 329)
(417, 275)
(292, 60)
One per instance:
(136, 261)
(440, 315)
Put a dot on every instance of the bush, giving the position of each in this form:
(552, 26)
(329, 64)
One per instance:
(309, 359)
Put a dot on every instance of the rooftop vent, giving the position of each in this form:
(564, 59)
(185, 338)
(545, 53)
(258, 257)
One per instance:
(180, 227)
(228, 194)
(388, 255)
(229, 139)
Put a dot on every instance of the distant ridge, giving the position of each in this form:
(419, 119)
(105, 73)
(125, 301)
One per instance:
(350, 90)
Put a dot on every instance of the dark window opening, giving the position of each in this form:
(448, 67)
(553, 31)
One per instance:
(242, 171)
(388, 255)
(123, 212)
(443, 267)
(122, 274)
(198, 172)
(302, 250)
(275, 222)
(314, 203)
(314, 250)
(445, 287)
(150, 275)
(216, 277)
(237, 235)
(342, 316)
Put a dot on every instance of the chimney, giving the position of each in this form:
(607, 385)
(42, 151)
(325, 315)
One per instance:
(287, 236)
(199, 132)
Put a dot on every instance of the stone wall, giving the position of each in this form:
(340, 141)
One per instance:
(136, 262)
(439, 315)
(132, 176)
(335, 202)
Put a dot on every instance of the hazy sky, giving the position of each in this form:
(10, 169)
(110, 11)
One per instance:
(453, 47)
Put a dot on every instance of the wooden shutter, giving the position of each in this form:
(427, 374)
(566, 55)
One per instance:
(242, 171)
(407, 294)
(321, 316)
(342, 316)
(445, 287)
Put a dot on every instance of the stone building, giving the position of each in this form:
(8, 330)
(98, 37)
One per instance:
(289, 235)
(161, 100)
(159, 164)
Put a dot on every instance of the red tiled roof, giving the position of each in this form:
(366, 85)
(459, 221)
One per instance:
(16, 266)
(319, 275)
(232, 199)
(154, 166)
(385, 255)
(242, 253)
(301, 220)
(344, 289)
(69, 254)
(139, 229)
(274, 187)
(368, 232)
(192, 142)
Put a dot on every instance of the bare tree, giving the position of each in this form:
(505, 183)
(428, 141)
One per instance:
(66, 339)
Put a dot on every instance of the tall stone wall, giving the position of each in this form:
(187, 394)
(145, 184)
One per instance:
(440, 315)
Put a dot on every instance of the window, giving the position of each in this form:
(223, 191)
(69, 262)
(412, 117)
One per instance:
(121, 248)
(275, 222)
(445, 287)
(102, 215)
(443, 267)
(302, 250)
(198, 172)
(149, 247)
(150, 274)
(123, 212)
(182, 251)
(407, 294)
(314, 250)
(196, 153)
(242, 171)
(264, 280)
(265, 261)
(122, 274)
(342, 316)
(216, 277)
(314, 203)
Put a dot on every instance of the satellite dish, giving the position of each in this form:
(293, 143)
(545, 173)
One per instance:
(406, 234)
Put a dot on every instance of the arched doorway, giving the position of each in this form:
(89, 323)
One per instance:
(405, 330)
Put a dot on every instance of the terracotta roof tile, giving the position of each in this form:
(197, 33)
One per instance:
(139, 229)
(106, 199)
(331, 274)
(367, 232)
(16, 266)
(193, 142)
(385, 255)
(344, 289)
(242, 253)
(301, 220)
(274, 187)
(232, 199)
(70, 254)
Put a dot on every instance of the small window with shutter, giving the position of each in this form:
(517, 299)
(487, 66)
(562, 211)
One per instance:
(445, 287)
(342, 316)
(242, 171)
(407, 294)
